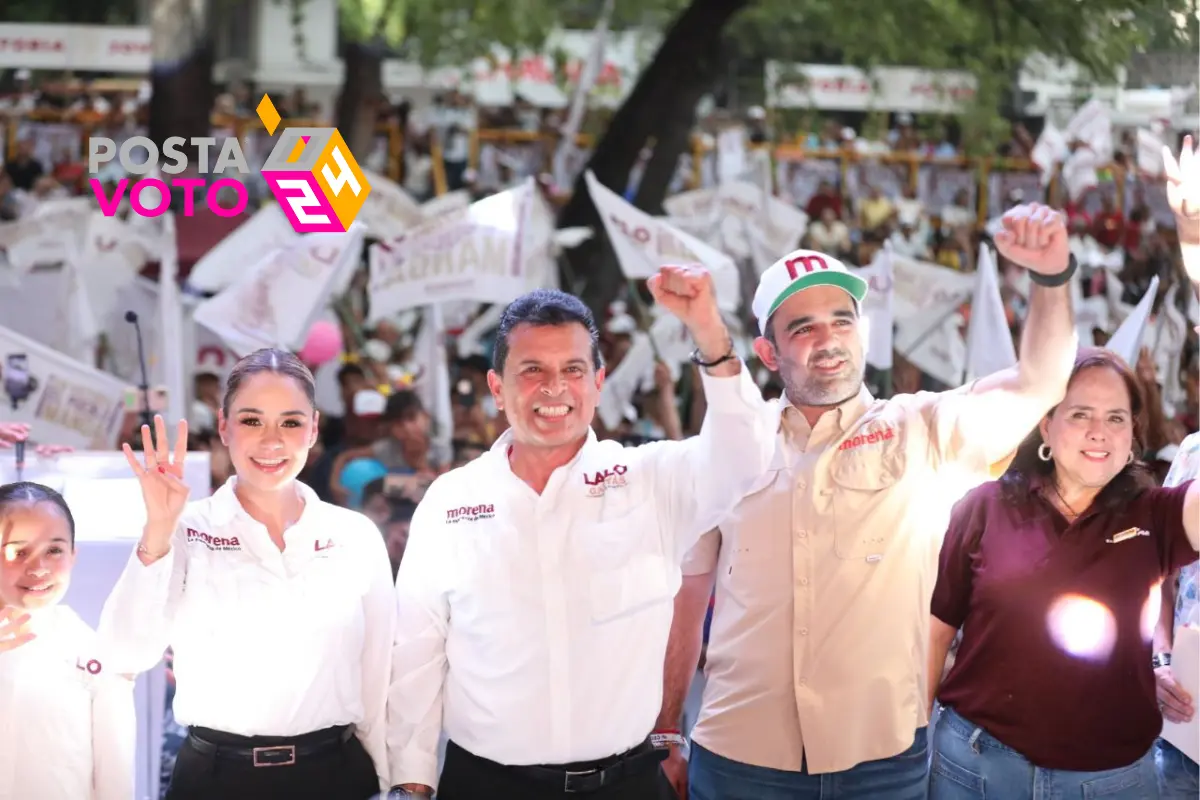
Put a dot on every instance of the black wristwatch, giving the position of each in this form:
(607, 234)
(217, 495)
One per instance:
(1051, 281)
(1161, 660)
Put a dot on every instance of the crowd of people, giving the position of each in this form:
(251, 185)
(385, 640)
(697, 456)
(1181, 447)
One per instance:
(527, 613)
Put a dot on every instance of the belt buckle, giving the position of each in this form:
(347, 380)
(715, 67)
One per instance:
(288, 751)
(568, 775)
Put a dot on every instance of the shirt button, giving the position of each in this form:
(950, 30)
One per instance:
(804, 581)
(801, 485)
(804, 631)
(803, 682)
(802, 534)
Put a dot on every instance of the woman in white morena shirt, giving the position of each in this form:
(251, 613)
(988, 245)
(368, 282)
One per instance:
(279, 608)
(67, 722)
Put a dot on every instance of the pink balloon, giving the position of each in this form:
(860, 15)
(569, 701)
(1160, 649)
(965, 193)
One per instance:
(324, 343)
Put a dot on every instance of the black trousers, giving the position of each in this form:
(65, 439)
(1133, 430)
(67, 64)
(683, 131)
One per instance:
(343, 771)
(466, 776)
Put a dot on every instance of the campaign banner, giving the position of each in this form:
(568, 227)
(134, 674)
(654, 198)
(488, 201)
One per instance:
(63, 401)
(280, 297)
(474, 253)
(732, 207)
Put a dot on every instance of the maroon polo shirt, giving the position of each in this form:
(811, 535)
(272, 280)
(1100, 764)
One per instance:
(1055, 655)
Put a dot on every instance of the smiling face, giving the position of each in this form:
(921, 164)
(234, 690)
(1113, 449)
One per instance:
(550, 387)
(1091, 434)
(270, 428)
(818, 347)
(37, 555)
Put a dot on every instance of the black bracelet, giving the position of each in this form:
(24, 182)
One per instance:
(1050, 281)
(697, 358)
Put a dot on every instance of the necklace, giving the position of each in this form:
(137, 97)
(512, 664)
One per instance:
(1070, 512)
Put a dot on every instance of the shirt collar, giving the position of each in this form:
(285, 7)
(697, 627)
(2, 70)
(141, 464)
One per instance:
(845, 414)
(225, 507)
(504, 443)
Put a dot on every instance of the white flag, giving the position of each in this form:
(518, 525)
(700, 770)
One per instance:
(265, 232)
(643, 244)
(879, 308)
(388, 211)
(279, 298)
(433, 385)
(64, 401)
(989, 341)
(1127, 341)
(474, 253)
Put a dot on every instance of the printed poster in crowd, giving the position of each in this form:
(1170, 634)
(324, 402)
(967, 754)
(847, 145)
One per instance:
(279, 298)
(729, 208)
(643, 244)
(62, 400)
(473, 253)
(388, 211)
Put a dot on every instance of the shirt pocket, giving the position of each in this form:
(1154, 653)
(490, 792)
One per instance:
(864, 484)
(644, 582)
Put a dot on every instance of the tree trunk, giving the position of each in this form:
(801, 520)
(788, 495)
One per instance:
(181, 72)
(661, 106)
(358, 103)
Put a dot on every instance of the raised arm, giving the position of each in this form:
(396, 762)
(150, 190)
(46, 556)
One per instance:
(699, 480)
(136, 620)
(999, 410)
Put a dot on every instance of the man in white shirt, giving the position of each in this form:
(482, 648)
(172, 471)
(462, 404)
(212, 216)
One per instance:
(535, 596)
(816, 661)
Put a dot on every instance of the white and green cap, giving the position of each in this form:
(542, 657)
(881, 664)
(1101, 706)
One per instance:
(797, 271)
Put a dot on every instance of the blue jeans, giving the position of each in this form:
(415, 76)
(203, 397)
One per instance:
(969, 764)
(1178, 775)
(902, 777)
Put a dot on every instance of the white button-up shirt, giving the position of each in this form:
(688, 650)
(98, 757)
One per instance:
(266, 642)
(534, 627)
(70, 728)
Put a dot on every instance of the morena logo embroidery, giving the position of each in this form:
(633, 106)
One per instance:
(213, 542)
(809, 263)
(873, 437)
(470, 513)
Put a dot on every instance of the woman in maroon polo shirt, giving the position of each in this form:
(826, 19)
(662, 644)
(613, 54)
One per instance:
(1053, 575)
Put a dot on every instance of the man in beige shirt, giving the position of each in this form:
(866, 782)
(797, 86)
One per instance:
(816, 660)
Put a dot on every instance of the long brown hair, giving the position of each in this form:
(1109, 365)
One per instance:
(1027, 469)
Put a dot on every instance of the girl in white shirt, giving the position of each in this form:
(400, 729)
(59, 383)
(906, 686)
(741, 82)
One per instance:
(278, 607)
(70, 726)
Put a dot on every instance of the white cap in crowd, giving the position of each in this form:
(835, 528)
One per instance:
(369, 403)
(799, 270)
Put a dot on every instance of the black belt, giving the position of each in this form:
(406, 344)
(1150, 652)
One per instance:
(606, 773)
(276, 754)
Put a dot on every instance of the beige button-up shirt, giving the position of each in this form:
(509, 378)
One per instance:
(824, 576)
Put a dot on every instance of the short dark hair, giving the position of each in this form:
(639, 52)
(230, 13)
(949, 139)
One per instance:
(402, 405)
(402, 509)
(349, 371)
(545, 308)
(29, 493)
(270, 359)
(1027, 470)
(372, 488)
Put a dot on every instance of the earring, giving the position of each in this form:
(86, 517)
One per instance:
(1044, 452)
